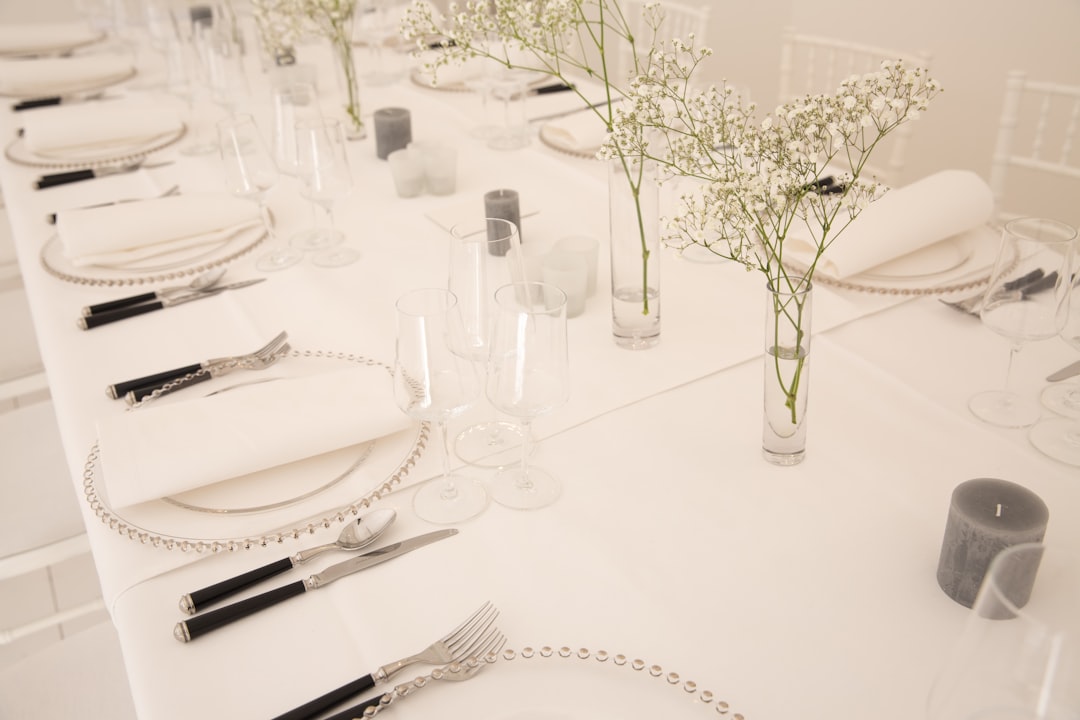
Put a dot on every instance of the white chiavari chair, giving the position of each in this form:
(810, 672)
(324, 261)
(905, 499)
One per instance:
(811, 64)
(680, 20)
(1037, 138)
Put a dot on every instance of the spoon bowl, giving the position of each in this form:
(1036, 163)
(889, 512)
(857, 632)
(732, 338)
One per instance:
(358, 534)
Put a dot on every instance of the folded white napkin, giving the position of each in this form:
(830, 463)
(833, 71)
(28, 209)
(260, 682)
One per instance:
(97, 130)
(161, 450)
(905, 220)
(28, 38)
(130, 232)
(579, 132)
(51, 76)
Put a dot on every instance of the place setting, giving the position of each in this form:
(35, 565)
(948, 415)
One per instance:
(44, 39)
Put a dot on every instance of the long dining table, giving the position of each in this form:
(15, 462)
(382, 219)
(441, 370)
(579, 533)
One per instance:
(678, 572)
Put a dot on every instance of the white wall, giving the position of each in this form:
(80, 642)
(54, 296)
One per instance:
(974, 44)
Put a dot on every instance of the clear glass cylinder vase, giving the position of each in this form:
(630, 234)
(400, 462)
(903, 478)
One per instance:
(349, 84)
(634, 229)
(788, 315)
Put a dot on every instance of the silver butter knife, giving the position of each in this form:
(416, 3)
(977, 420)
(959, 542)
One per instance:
(188, 630)
(1064, 373)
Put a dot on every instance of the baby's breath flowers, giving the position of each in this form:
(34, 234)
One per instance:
(282, 23)
(757, 180)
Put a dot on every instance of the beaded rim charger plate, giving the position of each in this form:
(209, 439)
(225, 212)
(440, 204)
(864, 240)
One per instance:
(18, 153)
(270, 506)
(555, 683)
(57, 47)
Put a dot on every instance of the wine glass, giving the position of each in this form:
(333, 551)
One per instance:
(1059, 437)
(433, 382)
(1018, 657)
(323, 169)
(482, 259)
(1027, 245)
(250, 172)
(293, 103)
(528, 377)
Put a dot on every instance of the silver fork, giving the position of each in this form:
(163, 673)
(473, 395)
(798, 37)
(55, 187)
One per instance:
(135, 390)
(454, 672)
(468, 639)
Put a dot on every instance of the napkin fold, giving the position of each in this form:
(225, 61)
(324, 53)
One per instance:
(55, 76)
(124, 233)
(905, 220)
(577, 132)
(29, 38)
(94, 130)
(161, 450)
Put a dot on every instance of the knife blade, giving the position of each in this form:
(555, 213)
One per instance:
(187, 630)
(1064, 373)
(92, 321)
(71, 176)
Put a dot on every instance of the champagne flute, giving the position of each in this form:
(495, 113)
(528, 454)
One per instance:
(433, 382)
(1059, 437)
(1027, 245)
(528, 377)
(482, 259)
(293, 103)
(250, 172)
(1018, 657)
(325, 177)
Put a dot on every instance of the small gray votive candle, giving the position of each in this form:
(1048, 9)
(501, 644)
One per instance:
(503, 204)
(393, 130)
(986, 515)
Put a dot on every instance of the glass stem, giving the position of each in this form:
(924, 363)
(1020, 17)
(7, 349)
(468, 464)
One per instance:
(449, 491)
(526, 437)
(1014, 348)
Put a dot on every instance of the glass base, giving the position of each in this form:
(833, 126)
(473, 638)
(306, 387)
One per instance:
(279, 259)
(336, 257)
(512, 488)
(1004, 409)
(1058, 438)
(783, 459)
(493, 444)
(199, 147)
(637, 342)
(316, 239)
(437, 503)
(1063, 399)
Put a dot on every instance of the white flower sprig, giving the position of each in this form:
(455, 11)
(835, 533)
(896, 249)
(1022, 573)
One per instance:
(759, 179)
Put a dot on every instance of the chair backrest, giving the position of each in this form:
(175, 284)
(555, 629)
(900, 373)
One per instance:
(680, 20)
(811, 64)
(1038, 131)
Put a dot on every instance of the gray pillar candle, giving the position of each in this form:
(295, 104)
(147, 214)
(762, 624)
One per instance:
(393, 130)
(986, 515)
(502, 204)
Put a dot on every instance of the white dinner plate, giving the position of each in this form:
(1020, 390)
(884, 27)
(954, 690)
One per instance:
(562, 683)
(290, 501)
(18, 153)
(59, 47)
(959, 263)
(161, 268)
(553, 141)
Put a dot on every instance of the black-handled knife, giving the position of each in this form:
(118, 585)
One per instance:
(71, 176)
(120, 389)
(549, 89)
(92, 321)
(188, 630)
(36, 103)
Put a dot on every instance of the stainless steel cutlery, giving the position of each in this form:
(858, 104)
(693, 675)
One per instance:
(138, 388)
(1064, 373)
(88, 322)
(1033, 282)
(70, 176)
(475, 637)
(357, 535)
(188, 630)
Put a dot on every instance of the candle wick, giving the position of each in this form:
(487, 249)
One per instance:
(998, 513)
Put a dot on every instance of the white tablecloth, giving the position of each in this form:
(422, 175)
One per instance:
(788, 592)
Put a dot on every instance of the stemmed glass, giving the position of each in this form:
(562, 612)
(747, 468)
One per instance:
(528, 377)
(325, 177)
(1060, 437)
(433, 382)
(1018, 657)
(250, 172)
(293, 103)
(1027, 245)
(482, 259)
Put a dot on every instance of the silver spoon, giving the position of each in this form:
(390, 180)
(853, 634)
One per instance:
(203, 281)
(354, 536)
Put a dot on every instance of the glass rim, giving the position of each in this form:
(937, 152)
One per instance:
(1000, 596)
(548, 292)
(466, 231)
(1068, 232)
